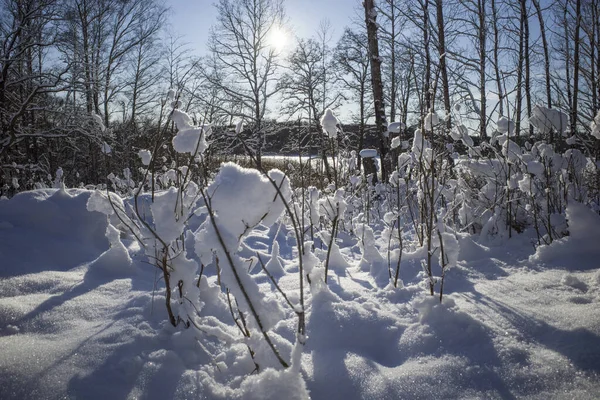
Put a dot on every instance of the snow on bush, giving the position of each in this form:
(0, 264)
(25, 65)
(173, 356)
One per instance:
(396, 127)
(368, 153)
(189, 139)
(505, 126)
(145, 156)
(596, 126)
(239, 200)
(242, 198)
(329, 123)
(547, 119)
(274, 266)
(432, 120)
(372, 261)
(116, 260)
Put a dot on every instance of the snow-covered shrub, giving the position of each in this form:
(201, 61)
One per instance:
(193, 226)
(332, 208)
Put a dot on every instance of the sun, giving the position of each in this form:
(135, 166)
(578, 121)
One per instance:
(278, 38)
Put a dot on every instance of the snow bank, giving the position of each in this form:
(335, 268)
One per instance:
(579, 250)
(49, 229)
(273, 384)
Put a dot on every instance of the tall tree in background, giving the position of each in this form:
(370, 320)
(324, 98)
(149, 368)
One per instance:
(241, 43)
(352, 59)
(441, 36)
(390, 25)
(131, 22)
(576, 65)
(376, 82)
(496, 57)
(304, 88)
(545, 47)
(28, 83)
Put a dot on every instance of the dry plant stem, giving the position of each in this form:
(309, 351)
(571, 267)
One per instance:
(167, 276)
(262, 265)
(239, 282)
(200, 275)
(389, 251)
(399, 236)
(331, 242)
(444, 263)
(243, 329)
(295, 221)
(162, 261)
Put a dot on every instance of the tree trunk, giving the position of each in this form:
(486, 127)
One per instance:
(482, 62)
(520, 63)
(380, 120)
(442, 54)
(497, 59)
(576, 67)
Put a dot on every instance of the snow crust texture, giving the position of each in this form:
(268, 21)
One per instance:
(80, 315)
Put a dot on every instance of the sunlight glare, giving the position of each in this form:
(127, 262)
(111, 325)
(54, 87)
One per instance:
(278, 38)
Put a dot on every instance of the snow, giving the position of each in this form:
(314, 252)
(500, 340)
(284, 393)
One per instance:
(243, 198)
(272, 384)
(368, 153)
(274, 265)
(396, 127)
(82, 312)
(98, 121)
(546, 119)
(432, 120)
(189, 139)
(239, 127)
(105, 148)
(505, 126)
(329, 122)
(584, 232)
(596, 126)
(146, 156)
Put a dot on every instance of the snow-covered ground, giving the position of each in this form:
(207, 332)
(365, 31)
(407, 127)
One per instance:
(80, 321)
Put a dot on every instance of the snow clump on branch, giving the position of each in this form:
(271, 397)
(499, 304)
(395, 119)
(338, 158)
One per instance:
(329, 123)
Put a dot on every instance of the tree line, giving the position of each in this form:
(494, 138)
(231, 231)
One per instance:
(83, 82)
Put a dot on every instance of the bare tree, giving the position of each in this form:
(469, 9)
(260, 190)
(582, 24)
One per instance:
(240, 42)
(131, 22)
(441, 35)
(391, 25)
(305, 90)
(376, 82)
(27, 86)
(545, 46)
(352, 58)
(576, 65)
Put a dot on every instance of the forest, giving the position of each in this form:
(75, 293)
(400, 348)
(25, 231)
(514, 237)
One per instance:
(70, 64)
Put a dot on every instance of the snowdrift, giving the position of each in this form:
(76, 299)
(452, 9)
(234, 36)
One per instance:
(509, 326)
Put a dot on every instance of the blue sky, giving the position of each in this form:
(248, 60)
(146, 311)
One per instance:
(193, 18)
